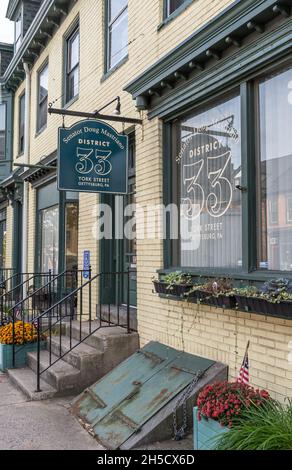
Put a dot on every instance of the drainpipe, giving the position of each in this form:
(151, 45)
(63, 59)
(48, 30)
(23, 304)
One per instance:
(26, 160)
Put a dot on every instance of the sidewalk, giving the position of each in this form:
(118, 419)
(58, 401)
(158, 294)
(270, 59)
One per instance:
(46, 425)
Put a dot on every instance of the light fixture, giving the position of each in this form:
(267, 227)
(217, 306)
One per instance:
(117, 111)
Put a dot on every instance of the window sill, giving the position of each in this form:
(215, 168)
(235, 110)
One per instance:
(114, 69)
(40, 131)
(174, 15)
(71, 102)
(255, 276)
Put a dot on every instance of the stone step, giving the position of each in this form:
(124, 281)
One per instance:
(26, 381)
(61, 376)
(81, 356)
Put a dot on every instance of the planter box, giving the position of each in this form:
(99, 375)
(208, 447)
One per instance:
(222, 301)
(6, 354)
(263, 307)
(206, 432)
(177, 289)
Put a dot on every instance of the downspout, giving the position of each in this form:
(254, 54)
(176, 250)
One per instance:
(26, 160)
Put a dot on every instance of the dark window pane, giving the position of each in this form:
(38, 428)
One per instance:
(210, 205)
(43, 114)
(3, 239)
(72, 86)
(118, 39)
(2, 131)
(172, 5)
(21, 123)
(274, 226)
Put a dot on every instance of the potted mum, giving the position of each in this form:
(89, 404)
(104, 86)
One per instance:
(215, 292)
(25, 340)
(176, 283)
(218, 407)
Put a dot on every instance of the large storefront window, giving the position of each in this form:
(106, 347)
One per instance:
(209, 159)
(50, 239)
(275, 148)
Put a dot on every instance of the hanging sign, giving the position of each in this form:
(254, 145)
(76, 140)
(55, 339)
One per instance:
(92, 158)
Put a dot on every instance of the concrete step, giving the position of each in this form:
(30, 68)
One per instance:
(61, 376)
(26, 381)
(81, 357)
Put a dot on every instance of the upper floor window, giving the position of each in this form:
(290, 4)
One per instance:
(117, 32)
(42, 113)
(72, 66)
(172, 5)
(18, 33)
(2, 131)
(21, 123)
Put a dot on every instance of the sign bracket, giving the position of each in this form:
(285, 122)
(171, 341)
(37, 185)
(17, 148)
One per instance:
(96, 115)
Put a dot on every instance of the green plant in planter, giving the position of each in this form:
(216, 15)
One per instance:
(176, 278)
(265, 427)
(277, 290)
(248, 291)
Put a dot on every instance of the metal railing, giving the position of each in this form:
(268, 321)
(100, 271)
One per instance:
(88, 320)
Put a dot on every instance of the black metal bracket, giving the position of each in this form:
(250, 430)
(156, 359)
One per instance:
(96, 115)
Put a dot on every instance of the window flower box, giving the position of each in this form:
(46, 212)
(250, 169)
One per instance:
(176, 289)
(6, 354)
(219, 300)
(207, 432)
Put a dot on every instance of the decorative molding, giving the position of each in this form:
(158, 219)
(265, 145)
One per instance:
(212, 40)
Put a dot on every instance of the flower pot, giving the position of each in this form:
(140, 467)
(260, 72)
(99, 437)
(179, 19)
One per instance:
(6, 354)
(222, 301)
(176, 289)
(282, 309)
(206, 432)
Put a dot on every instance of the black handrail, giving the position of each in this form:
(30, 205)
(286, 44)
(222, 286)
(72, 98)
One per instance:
(83, 335)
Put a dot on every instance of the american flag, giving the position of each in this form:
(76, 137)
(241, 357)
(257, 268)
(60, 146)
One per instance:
(243, 376)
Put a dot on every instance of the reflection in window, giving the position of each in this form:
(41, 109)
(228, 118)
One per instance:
(210, 204)
(72, 78)
(2, 130)
(117, 31)
(50, 239)
(71, 235)
(275, 116)
(289, 210)
(43, 98)
(17, 34)
(172, 5)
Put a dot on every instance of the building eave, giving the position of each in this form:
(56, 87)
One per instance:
(210, 41)
(41, 30)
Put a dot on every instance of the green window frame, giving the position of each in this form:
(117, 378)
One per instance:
(251, 267)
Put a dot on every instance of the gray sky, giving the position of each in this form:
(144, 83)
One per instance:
(6, 26)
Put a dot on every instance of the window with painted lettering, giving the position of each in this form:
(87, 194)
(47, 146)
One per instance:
(117, 31)
(208, 158)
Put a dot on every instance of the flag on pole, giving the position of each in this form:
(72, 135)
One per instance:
(243, 376)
